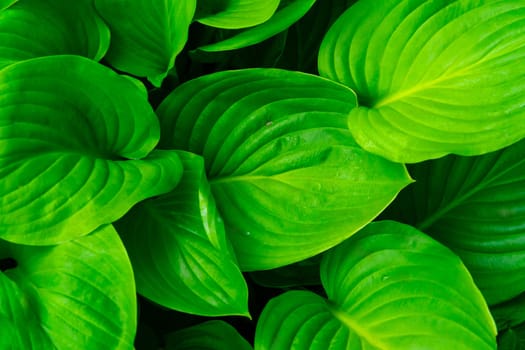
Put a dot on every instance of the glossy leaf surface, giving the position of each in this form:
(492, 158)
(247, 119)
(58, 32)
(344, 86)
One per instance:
(35, 28)
(388, 287)
(179, 251)
(475, 206)
(289, 12)
(146, 35)
(211, 335)
(71, 149)
(288, 178)
(76, 295)
(235, 14)
(433, 77)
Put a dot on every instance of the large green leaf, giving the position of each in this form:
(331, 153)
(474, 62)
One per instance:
(67, 125)
(211, 335)
(289, 12)
(34, 28)
(146, 35)
(475, 206)
(288, 178)
(388, 287)
(235, 14)
(179, 250)
(76, 295)
(433, 77)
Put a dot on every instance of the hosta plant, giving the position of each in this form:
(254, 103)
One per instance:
(255, 174)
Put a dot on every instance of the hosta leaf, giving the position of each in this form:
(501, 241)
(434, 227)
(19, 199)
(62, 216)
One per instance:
(433, 77)
(512, 339)
(510, 313)
(146, 35)
(388, 287)
(76, 295)
(475, 206)
(289, 12)
(211, 335)
(288, 178)
(235, 14)
(34, 28)
(67, 125)
(179, 251)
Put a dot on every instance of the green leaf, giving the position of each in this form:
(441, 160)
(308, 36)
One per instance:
(35, 28)
(475, 206)
(76, 295)
(289, 12)
(211, 335)
(235, 14)
(510, 313)
(512, 339)
(433, 77)
(288, 178)
(184, 262)
(388, 287)
(146, 36)
(67, 125)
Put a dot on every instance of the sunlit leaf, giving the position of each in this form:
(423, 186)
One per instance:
(146, 35)
(389, 287)
(72, 135)
(76, 295)
(179, 251)
(288, 178)
(35, 28)
(432, 77)
(235, 14)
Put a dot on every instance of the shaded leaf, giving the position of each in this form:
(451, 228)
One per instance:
(288, 178)
(76, 295)
(146, 35)
(235, 14)
(179, 251)
(72, 133)
(433, 77)
(388, 287)
(211, 335)
(35, 28)
(301, 273)
(476, 207)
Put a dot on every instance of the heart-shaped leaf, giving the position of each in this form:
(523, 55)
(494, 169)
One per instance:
(179, 251)
(475, 206)
(67, 125)
(76, 295)
(146, 35)
(289, 12)
(433, 77)
(211, 335)
(235, 14)
(35, 28)
(388, 287)
(288, 178)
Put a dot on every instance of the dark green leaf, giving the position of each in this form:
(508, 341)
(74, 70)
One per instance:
(389, 287)
(67, 125)
(146, 35)
(35, 28)
(235, 14)
(288, 178)
(179, 251)
(433, 77)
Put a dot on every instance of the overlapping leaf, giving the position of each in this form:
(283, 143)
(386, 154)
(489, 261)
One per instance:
(67, 125)
(179, 251)
(288, 178)
(433, 77)
(476, 206)
(76, 295)
(388, 287)
(146, 35)
(34, 28)
(289, 12)
(211, 335)
(235, 14)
